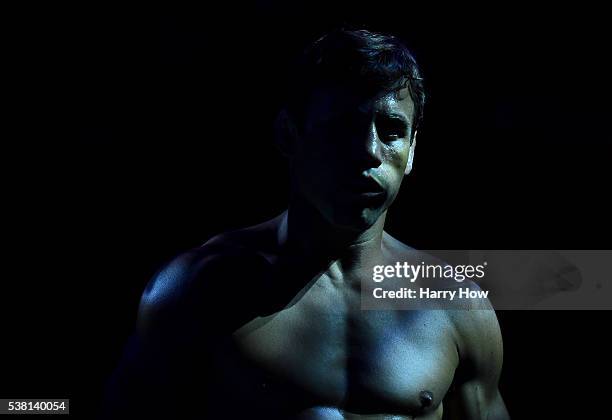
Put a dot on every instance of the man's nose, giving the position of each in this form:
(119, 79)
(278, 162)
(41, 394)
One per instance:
(370, 148)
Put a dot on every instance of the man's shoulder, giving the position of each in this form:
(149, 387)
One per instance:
(259, 239)
(206, 275)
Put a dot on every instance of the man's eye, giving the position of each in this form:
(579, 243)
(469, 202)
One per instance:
(391, 133)
(394, 135)
(391, 129)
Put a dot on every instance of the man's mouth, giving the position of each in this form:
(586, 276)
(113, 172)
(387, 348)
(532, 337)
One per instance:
(371, 194)
(366, 186)
(366, 191)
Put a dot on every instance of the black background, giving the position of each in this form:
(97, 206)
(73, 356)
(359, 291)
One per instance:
(143, 132)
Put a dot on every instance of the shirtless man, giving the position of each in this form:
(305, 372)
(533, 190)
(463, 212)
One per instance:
(266, 322)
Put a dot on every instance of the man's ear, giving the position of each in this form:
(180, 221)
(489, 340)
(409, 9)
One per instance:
(410, 154)
(285, 133)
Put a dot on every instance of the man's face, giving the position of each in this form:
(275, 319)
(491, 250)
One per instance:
(352, 153)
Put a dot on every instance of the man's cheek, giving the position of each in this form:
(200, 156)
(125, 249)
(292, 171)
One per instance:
(403, 156)
(397, 155)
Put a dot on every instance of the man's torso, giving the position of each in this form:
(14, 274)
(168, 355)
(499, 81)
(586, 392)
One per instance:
(319, 356)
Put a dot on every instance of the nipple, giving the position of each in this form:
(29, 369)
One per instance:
(426, 398)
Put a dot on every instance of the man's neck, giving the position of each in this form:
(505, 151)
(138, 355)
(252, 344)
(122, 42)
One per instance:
(307, 236)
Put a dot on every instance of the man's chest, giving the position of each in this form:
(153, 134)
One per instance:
(326, 349)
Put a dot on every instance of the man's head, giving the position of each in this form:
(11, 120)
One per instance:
(349, 126)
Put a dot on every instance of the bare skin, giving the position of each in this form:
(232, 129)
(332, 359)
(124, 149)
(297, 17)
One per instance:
(266, 322)
(310, 352)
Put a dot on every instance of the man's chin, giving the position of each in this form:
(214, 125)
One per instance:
(356, 220)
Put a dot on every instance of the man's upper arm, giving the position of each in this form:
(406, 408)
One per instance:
(184, 308)
(476, 394)
(161, 350)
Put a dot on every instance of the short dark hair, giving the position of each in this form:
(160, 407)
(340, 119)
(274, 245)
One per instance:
(366, 59)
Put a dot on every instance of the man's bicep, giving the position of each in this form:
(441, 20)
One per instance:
(143, 376)
(161, 356)
(476, 394)
(474, 400)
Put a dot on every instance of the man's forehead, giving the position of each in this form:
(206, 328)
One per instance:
(398, 101)
(326, 103)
